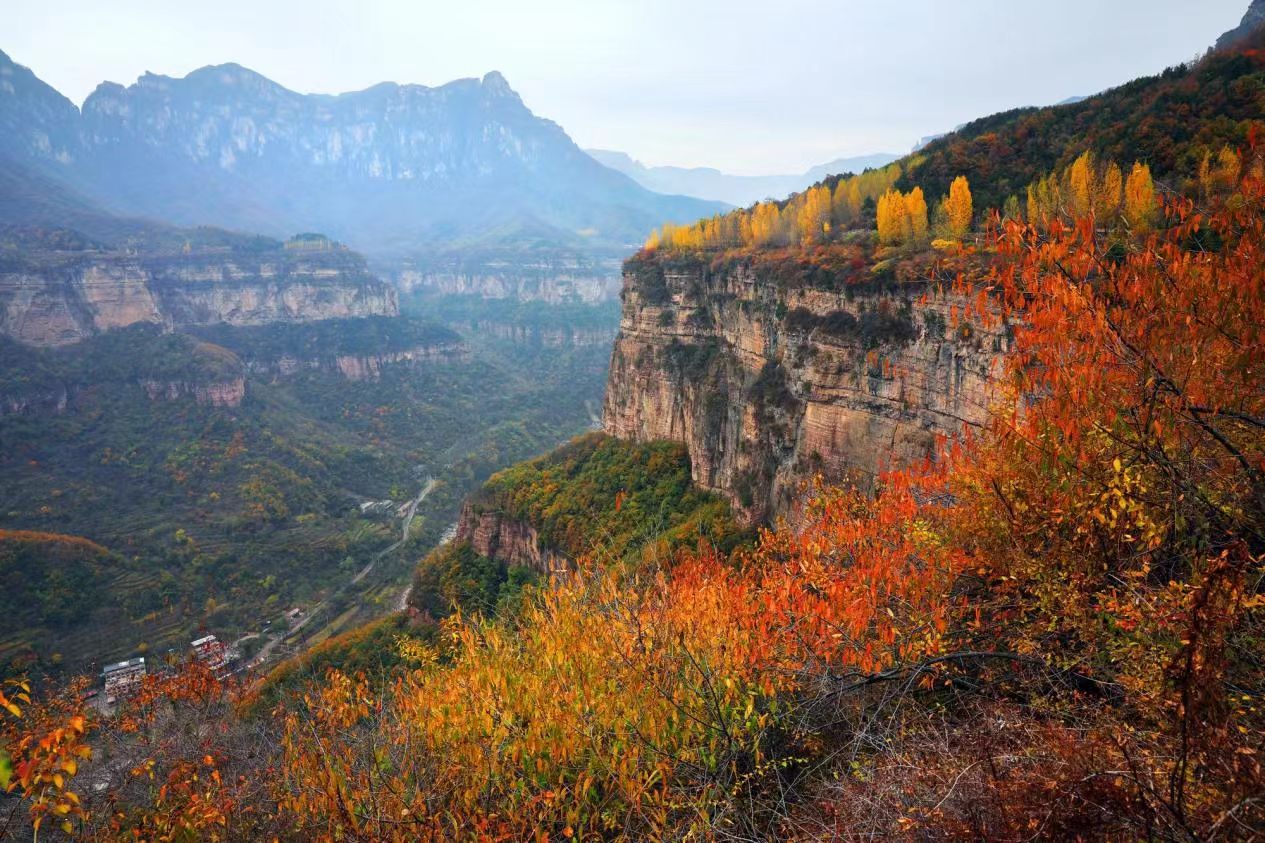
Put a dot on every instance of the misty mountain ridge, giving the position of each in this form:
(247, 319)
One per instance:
(713, 184)
(395, 170)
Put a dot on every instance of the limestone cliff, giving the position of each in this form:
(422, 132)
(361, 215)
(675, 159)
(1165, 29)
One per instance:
(771, 377)
(1253, 19)
(494, 534)
(50, 298)
(357, 349)
(552, 283)
(539, 335)
(360, 367)
(161, 366)
(225, 393)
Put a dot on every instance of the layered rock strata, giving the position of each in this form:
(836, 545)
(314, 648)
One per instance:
(770, 384)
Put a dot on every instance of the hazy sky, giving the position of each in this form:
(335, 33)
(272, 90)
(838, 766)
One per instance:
(751, 87)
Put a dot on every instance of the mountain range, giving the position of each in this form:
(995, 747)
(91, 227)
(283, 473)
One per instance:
(710, 183)
(394, 170)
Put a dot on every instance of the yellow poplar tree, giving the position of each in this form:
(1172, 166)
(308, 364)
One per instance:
(1080, 185)
(1107, 201)
(1010, 210)
(766, 224)
(890, 215)
(842, 206)
(959, 208)
(1139, 198)
(1226, 173)
(855, 199)
(813, 218)
(916, 216)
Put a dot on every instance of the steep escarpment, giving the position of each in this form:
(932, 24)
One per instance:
(138, 360)
(552, 282)
(222, 393)
(53, 297)
(495, 534)
(771, 371)
(792, 338)
(357, 349)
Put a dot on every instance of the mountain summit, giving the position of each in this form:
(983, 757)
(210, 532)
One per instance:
(1253, 19)
(394, 169)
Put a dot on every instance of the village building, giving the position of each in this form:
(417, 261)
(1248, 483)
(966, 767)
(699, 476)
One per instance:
(213, 655)
(122, 679)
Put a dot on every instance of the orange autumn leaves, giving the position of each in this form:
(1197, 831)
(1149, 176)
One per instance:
(634, 706)
(41, 748)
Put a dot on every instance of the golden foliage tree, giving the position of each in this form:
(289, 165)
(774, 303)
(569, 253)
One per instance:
(891, 218)
(813, 218)
(1139, 198)
(959, 208)
(1081, 187)
(915, 219)
(1107, 197)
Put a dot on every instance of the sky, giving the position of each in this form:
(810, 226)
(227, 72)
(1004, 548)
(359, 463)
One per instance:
(763, 87)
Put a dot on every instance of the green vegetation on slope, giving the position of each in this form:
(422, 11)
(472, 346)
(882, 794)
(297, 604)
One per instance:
(602, 496)
(595, 497)
(229, 516)
(1168, 121)
(328, 339)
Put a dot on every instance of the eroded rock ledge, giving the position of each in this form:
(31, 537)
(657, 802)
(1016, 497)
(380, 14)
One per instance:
(50, 298)
(770, 381)
(494, 534)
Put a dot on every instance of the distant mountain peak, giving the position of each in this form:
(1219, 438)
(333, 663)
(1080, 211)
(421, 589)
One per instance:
(495, 83)
(394, 169)
(1253, 20)
(710, 183)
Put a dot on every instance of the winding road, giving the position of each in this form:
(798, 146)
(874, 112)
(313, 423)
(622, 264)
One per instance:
(275, 638)
(448, 535)
(410, 513)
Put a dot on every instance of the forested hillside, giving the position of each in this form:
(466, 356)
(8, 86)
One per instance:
(228, 470)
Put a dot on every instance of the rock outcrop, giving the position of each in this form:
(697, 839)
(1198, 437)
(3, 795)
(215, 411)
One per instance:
(227, 393)
(769, 383)
(47, 399)
(552, 285)
(494, 534)
(360, 367)
(1253, 19)
(538, 335)
(52, 298)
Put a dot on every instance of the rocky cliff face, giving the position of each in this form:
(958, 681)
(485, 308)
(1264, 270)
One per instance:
(493, 534)
(537, 335)
(44, 399)
(1253, 19)
(769, 383)
(227, 393)
(360, 367)
(56, 298)
(549, 285)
